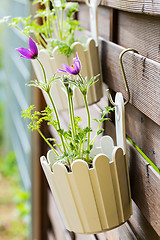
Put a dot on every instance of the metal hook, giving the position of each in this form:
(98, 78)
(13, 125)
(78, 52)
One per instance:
(124, 77)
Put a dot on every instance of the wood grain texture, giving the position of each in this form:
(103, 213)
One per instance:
(142, 76)
(144, 132)
(145, 182)
(141, 227)
(123, 232)
(83, 16)
(103, 20)
(140, 32)
(136, 228)
(137, 6)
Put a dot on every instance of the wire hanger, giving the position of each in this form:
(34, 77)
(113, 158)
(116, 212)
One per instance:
(124, 78)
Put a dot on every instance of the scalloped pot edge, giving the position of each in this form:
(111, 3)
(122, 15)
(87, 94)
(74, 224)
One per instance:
(91, 66)
(91, 200)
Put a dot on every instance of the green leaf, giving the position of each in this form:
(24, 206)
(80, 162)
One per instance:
(100, 131)
(96, 120)
(91, 146)
(72, 146)
(61, 131)
(104, 119)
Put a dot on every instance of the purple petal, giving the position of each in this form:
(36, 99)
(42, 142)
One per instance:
(77, 66)
(77, 63)
(33, 47)
(60, 70)
(26, 57)
(69, 69)
(25, 53)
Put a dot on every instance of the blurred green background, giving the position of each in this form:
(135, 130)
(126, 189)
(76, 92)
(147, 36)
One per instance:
(15, 140)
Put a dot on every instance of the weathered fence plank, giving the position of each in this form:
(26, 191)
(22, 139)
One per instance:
(137, 6)
(143, 229)
(142, 76)
(144, 132)
(145, 182)
(84, 14)
(103, 20)
(141, 32)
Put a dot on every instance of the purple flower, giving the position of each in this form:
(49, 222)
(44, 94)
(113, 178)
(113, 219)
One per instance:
(74, 69)
(30, 53)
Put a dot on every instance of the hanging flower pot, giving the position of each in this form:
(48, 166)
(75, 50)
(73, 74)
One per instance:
(55, 36)
(91, 187)
(96, 199)
(90, 62)
(90, 67)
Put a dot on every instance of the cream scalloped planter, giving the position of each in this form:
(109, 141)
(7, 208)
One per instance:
(90, 67)
(91, 200)
(96, 199)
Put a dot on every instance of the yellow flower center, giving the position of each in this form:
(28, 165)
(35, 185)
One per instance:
(72, 66)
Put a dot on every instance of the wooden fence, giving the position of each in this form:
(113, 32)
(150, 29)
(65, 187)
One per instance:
(125, 24)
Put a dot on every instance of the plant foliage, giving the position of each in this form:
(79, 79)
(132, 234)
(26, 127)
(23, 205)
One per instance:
(52, 25)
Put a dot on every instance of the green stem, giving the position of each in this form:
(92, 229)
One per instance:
(71, 117)
(67, 145)
(72, 109)
(48, 18)
(37, 38)
(54, 28)
(44, 73)
(93, 140)
(53, 105)
(89, 124)
(83, 145)
(58, 22)
(59, 26)
(71, 113)
(81, 78)
(80, 147)
(62, 23)
(57, 118)
(47, 142)
(58, 146)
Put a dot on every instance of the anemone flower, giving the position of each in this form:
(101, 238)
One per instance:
(74, 69)
(30, 53)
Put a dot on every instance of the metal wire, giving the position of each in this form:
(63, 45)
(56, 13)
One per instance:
(124, 77)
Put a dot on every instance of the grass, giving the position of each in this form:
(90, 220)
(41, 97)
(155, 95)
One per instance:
(14, 201)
